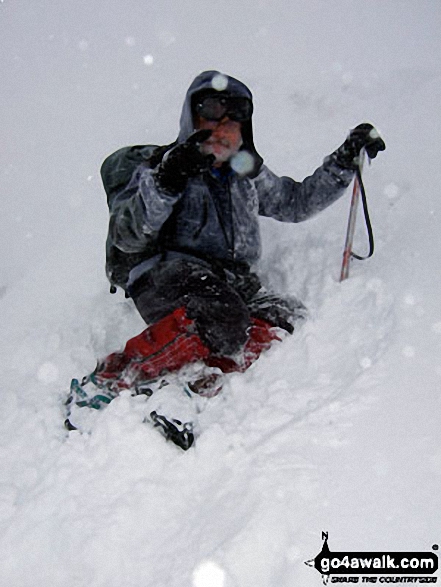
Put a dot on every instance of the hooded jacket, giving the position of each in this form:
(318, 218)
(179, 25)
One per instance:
(215, 218)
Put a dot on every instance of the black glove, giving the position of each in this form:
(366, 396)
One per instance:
(362, 136)
(183, 161)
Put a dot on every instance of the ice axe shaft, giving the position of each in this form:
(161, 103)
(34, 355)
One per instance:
(347, 253)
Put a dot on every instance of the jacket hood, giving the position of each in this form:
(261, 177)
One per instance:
(209, 81)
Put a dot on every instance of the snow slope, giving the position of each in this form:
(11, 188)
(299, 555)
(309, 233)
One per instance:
(336, 428)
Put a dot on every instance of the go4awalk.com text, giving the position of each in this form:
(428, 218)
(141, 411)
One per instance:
(375, 567)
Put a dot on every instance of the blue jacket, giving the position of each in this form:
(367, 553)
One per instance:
(216, 216)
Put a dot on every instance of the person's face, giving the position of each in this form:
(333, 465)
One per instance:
(225, 140)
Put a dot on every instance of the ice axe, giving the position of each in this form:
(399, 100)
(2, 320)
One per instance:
(357, 190)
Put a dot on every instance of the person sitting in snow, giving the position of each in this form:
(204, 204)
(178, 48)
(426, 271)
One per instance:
(184, 237)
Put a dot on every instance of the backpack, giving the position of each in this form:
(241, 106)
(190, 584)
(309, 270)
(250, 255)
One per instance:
(116, 173)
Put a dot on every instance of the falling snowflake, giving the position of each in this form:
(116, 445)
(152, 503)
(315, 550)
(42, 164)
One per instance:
(366, 363)
(408, 351)
(242, 163)
(48, 373)
(208, 574)
(436, 327)
(219, 82)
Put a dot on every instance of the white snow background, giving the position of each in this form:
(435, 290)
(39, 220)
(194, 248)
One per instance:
(335, 429)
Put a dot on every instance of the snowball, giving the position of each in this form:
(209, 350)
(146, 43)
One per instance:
(48, 373)
(130, 41)
(219, 82)
(148, 59)
(242, 162)
(208, 574)
(83, 45)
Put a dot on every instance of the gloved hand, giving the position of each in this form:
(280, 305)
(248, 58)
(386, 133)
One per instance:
(183, 161)
(362, 136)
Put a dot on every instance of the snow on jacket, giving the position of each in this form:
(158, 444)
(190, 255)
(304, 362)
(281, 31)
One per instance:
(215, 218)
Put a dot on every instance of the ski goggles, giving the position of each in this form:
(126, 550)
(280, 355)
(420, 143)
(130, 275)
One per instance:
(217, 107)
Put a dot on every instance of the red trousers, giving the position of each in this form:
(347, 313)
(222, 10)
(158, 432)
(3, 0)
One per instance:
(172, 343)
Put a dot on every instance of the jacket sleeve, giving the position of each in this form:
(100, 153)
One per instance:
(138, 208)
(287, 200)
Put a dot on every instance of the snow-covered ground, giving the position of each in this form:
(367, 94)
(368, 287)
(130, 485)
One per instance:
(338, 427)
